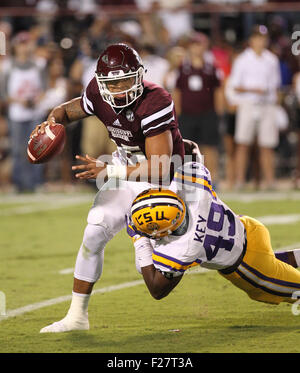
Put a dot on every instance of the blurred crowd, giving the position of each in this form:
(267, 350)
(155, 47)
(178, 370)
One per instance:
(235, 84)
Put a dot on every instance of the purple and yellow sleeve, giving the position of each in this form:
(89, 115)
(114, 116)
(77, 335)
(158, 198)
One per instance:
(168, 263)
(130, 231)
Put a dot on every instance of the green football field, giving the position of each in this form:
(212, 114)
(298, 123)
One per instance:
(40, 237)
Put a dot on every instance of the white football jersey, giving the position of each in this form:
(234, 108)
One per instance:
(215, 236)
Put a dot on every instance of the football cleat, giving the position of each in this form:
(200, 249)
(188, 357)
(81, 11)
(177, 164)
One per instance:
(67, 324)
(120, 62)
(156, 213)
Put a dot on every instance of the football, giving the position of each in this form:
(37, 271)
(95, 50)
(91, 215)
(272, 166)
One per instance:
(43, 147)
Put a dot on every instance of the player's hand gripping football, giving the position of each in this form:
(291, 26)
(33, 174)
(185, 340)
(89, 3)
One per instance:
(40, 128)
(90, 168)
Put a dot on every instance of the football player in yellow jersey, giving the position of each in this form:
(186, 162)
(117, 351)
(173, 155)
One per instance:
(187, 224)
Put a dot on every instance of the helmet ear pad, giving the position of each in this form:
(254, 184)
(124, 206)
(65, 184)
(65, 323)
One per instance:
(157, 213)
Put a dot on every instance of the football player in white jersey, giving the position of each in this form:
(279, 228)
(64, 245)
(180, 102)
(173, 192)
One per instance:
(187, 224)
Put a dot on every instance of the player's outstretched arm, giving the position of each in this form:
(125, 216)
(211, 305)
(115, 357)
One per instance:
(65, 113)
(158, 285)
(156, 168)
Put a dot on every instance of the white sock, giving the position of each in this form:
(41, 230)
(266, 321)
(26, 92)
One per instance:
(79, 305)
(297, 256)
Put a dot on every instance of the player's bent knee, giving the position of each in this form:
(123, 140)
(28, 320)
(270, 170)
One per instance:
(89, 269)
(95, 238)
(89, 262)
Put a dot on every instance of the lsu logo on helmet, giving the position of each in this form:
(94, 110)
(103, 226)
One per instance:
(157, 213)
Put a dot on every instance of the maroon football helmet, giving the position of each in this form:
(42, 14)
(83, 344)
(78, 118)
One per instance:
(120, 62)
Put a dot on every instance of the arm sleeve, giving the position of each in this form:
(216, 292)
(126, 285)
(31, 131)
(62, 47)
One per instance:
(175, 264)
(86, 101)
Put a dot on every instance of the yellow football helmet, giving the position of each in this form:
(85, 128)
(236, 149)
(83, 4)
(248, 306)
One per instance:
(157, 213)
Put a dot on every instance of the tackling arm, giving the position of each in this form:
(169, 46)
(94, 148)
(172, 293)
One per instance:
(159, 151)
(158, 285)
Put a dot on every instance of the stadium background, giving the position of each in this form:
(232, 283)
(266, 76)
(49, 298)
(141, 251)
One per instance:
(70, 34)
(41, 229)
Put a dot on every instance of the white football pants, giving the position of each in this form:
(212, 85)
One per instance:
(105, 219)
